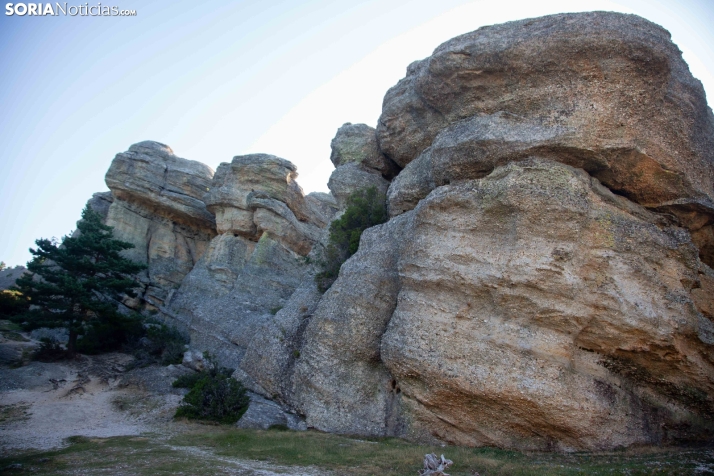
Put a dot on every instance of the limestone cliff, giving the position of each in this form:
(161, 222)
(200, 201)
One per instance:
(544, 281)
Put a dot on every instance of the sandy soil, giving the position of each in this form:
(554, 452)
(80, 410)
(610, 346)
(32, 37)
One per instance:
(43, 404)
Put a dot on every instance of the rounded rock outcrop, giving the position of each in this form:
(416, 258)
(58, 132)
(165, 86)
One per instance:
(606, 92)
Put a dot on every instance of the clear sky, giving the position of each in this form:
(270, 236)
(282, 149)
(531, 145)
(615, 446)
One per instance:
(215, 79)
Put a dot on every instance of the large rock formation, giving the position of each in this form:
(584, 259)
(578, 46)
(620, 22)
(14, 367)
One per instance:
(544, 280)
(605, 92)
(157, 206)
(359, 163)
(254, 265)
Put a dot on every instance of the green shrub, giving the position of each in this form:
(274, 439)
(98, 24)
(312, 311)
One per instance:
(110, 334)
(214, 395)
(188, 380)
(78, 284)
(50, 351)
(157, 343)
(167, 343)
(365, 209)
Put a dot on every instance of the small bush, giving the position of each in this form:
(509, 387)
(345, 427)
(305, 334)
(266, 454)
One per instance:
(50, 351)
(365, 209)
(157, 344)
(187, 380)
(213, 396)
(110, 334)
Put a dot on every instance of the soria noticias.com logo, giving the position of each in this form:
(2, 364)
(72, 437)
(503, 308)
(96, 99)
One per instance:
(64, 9)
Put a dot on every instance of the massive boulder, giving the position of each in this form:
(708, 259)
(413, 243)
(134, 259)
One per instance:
(151, 175)
(258, 193)
(156, 204)
(543, 281)
(530, 309)
(606, 92)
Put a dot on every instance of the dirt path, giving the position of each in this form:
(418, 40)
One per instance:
(41, 405)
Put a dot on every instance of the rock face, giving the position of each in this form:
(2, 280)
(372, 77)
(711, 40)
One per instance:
(605, 92)
(262, 414)
(530, 309)
(544, 281)
(358, 143)
(255, 194)
(359, 163)
(151, 175)
(157, 206)
(266, 228)
(9, 275)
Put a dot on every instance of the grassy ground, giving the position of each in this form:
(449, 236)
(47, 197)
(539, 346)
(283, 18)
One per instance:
(11, 331)
(221, 450)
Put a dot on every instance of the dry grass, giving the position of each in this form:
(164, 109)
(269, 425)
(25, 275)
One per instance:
(224, 450)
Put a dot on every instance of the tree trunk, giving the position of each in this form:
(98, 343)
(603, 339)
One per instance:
(72, 341)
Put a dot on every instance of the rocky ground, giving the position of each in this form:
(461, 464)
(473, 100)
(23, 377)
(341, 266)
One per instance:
(50, 406)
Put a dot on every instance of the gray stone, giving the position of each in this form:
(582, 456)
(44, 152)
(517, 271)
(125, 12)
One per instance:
(603, 91)
(194, 360)
(59, 334)
(358, 143)
(100, 203)
(349, 178)
(149, 174)
(263, 414)
(9, 275)
(157, 206)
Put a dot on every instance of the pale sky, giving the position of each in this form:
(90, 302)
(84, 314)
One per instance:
(215, 79)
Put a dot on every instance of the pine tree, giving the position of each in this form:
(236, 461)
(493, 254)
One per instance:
(78, 283)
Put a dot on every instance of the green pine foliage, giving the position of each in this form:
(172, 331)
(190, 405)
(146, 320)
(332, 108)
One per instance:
(158, 344)
(78, 283)
(365, 208)
(213, 396)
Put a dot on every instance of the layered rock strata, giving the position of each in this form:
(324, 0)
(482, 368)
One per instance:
(266, 227)
(157, 206)
(224, 251)
(605, 92)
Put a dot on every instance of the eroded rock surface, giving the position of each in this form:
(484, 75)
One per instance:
(544, 281)
(151, 175)
(606, 92)
(531, 309)
(358, 143)
(249, 271)
(157, 206)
